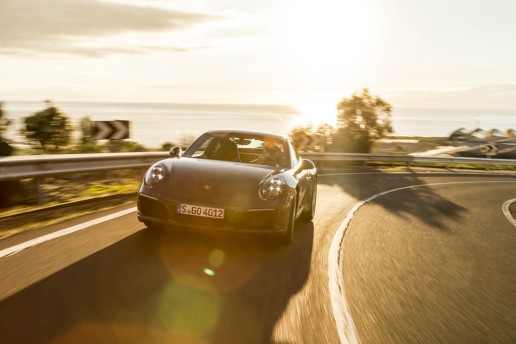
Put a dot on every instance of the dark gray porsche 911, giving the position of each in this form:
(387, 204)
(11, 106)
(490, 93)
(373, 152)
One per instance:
(231, 182)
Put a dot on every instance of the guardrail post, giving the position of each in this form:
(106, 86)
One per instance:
(40, 193)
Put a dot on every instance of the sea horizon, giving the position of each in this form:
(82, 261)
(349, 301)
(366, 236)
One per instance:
(154, 123)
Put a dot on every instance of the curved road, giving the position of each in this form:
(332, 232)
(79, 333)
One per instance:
(428, 264)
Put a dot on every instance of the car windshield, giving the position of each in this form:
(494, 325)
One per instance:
(244, 148)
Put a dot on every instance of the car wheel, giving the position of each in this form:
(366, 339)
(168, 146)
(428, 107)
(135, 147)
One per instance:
(288, 237)
(308, 214)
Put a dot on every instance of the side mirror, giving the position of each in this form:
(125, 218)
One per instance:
(307, 165)
(175, 152)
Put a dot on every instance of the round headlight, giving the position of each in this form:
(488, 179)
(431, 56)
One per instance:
(155, 174)
(272, 187)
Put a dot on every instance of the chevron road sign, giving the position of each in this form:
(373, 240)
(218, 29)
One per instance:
(489, 149)
(111, 130)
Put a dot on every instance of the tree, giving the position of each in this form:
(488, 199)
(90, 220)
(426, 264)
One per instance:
(130, 146)
(167, 146)
(86, 126)
(297, 133)
(361, 119)
(4, 122)
(86, 143)
(48, 129)
(5, 149)
(323, 133)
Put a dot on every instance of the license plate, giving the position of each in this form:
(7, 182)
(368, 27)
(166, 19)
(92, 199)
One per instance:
(196, 210)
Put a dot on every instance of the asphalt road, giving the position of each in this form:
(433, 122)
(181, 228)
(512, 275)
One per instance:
(432, 264)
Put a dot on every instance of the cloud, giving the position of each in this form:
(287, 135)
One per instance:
(30, 25)
(97, 51)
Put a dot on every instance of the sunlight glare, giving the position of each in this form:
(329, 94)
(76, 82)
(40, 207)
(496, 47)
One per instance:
(326, 43)
(316, 111)
(329, 38)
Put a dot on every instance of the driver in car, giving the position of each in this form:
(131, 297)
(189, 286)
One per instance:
(271, 156)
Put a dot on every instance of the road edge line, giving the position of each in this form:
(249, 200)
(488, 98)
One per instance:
(507, 212)
(341, 314)
(51, 236)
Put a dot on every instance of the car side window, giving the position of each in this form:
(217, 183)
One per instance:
(199, 152)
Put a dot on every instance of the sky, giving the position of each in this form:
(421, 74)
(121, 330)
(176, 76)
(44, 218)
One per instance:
(308, 54)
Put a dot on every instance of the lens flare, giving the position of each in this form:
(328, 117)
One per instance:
(188, 312)
(216, 258)
(209, 272)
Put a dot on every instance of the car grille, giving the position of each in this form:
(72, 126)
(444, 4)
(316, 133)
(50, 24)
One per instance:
(200, 221)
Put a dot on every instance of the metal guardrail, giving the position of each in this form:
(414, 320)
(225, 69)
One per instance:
(319, 157)
(41, 166)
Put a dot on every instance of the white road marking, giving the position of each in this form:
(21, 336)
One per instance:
(20, 247)
(507, 212)
(343, 320)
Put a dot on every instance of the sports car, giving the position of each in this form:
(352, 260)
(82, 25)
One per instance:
(231, 182)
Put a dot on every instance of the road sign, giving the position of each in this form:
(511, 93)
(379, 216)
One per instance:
(110, 130)
(489, 149)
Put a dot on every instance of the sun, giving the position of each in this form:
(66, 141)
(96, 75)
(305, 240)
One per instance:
(316, 111)
(326, 43)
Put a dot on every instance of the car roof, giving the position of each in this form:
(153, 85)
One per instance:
(248, 132)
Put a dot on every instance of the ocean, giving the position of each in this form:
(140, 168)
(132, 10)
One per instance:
(153, 124)
(442, 122)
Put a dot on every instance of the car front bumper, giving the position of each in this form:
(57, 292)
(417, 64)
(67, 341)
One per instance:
(264, 221)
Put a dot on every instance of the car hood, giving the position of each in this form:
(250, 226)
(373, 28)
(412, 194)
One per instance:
(212, 182)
